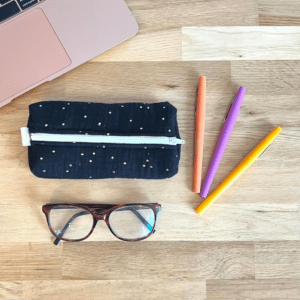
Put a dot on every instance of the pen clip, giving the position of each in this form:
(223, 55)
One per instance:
(196, 100)
(229, 108)
(265, 150)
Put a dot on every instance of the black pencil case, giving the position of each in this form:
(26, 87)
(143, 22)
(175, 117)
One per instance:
(81, 140)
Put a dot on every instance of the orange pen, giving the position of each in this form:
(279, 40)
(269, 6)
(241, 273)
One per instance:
(199, 134)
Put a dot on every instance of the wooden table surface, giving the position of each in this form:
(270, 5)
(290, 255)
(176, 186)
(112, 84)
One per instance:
(247, 246)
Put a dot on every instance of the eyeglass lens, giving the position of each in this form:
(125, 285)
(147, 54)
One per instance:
(132, 222)
(70, 222)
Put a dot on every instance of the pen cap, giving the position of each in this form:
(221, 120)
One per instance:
(273, 134)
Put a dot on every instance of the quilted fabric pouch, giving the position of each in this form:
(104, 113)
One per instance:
(80, 140)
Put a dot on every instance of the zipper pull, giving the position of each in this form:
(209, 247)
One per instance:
(176, 141)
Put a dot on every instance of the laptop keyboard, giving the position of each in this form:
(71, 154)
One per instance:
(9, 8)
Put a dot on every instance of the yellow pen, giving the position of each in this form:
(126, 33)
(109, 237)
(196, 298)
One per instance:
(239, 170)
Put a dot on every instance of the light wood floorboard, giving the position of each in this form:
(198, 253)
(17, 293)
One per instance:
(240, 43)
(279, 13)
(165, 260)
(253, 289)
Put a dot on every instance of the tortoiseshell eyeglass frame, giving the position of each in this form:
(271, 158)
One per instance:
(99, 212)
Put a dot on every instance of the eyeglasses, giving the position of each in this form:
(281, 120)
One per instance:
(76, 222)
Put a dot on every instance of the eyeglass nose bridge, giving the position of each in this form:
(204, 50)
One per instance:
(100, 215)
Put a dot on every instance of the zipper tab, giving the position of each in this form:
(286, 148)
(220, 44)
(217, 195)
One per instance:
(176, 141)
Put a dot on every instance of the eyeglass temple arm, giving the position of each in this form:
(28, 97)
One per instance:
(56, 242)
(58, 239)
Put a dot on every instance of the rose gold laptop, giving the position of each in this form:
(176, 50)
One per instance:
(43, 39)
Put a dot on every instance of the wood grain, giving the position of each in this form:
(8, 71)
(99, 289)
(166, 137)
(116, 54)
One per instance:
(253, 289)
(277, 260)
(115, 289)
(166, 260)
(279, 13)
(11, 290)
(240, 43)
(20, 261)
(268, 78)
(247, 245)
(150, 46)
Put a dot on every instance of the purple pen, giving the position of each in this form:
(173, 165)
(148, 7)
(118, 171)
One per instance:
(222, 142)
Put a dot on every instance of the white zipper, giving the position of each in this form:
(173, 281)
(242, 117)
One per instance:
(27, 137)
